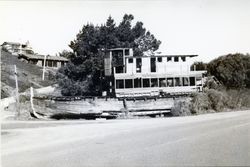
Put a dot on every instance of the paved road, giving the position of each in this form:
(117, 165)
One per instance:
(213, 139)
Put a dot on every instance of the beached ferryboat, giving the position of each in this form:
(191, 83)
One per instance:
(155, 75)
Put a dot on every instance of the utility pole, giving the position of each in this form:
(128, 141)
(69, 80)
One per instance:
(17, 94)
(44, 63)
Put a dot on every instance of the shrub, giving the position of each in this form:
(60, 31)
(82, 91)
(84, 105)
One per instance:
(200, 103)
(238, 98)
(181, 108)
(212, 83)
(218, 100)
(23, 98)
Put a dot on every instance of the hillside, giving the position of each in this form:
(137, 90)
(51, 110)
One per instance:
(28, 75)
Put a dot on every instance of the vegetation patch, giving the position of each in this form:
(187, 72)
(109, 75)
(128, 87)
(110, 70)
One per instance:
(27, 74)
(181, 108)
(211, 101)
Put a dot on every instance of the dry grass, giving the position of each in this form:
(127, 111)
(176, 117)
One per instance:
(181, 107)
(213, 101)
(220, 100)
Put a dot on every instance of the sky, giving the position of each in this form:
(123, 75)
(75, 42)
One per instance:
(209, 28)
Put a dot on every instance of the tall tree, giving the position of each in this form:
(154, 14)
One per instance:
(86, 61)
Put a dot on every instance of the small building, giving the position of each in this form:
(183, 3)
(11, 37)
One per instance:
(51, 61)
(16, 48)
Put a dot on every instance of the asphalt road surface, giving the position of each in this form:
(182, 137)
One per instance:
(212, 139)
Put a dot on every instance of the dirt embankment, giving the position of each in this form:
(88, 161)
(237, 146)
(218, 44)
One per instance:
(28, 75)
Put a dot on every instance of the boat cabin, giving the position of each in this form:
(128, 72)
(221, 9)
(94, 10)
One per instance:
(155, 75)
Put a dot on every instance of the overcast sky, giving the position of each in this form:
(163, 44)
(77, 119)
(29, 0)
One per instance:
(209, 28)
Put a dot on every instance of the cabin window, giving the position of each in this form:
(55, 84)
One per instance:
(183, 59)
(153, 65)
(146, 83)
(54, 64)
(176, 59)
(170, 82)
(34, 61)
(192, 81)
(154, 82)
(62, 63)
(127, 52)
(119, 84)
(119, 69)
(138, 65)
(185, 81)
(128, 83)
(49, 63)
(117, 57)
(117, 60)
(159, 59)
(177, 82)
(162, 82)
(169, 59)
(130, 60)
(137, 83)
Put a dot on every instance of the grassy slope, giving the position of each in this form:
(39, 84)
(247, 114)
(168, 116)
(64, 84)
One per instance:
(28, 75)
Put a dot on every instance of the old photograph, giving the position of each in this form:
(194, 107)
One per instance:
(122, 83)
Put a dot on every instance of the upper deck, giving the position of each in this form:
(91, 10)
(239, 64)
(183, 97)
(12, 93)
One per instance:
(120, 62)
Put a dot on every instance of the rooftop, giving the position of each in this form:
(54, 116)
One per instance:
(164, 56)
(41, 57)
(11, 43)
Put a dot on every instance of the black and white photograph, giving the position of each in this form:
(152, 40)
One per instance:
(125, 83)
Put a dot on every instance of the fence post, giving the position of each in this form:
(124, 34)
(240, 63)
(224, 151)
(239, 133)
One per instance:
(32, 104)
(17, 94)
(44, 63)
(31, 99)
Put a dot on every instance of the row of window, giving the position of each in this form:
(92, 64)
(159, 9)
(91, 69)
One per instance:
(159, 59)
(154, 82)
(51, 63)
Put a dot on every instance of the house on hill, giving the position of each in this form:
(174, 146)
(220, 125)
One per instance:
(15, 48)
(26, 54)
(51, 61)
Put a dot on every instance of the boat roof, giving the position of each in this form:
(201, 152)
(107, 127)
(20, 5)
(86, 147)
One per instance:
(162, 56)
(155, 55)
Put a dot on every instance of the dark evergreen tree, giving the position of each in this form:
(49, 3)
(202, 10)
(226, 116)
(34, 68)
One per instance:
(86, 62)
